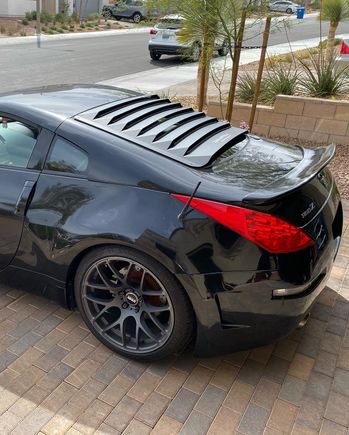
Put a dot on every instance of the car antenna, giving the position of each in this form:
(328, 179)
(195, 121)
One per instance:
(187, 204)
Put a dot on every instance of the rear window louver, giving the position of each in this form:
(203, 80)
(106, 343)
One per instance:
(167, 128)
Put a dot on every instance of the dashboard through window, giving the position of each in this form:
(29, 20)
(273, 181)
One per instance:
(17, 141)
(66, 157)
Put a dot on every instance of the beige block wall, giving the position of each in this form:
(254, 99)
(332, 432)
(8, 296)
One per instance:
(304, 118)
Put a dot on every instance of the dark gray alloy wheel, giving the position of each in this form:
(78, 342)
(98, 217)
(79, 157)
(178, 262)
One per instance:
(129, 308)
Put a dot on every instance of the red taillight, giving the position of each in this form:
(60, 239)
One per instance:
(153, 31)
(269, 232)
(344, 48)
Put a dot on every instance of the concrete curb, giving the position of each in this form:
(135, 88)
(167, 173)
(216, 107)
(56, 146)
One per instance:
(61, 37)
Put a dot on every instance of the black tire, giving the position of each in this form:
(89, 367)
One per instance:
(108, 259)
(154, 55)
(137, 17)
(107, 14)
(224, 50)
(195, 52)
(288, 11)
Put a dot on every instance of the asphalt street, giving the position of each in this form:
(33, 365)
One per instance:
(102, 58)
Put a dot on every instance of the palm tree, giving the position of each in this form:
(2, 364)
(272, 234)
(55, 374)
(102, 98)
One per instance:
(200, 26)
(333, 11)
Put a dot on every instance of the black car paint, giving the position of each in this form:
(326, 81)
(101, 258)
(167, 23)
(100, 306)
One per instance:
(229, 280)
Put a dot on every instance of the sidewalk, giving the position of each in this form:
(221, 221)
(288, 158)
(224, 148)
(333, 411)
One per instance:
(64, 36)
(181, 79)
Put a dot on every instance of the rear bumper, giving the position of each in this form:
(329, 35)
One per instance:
(241, 311)
(248, 316)
(167, 48)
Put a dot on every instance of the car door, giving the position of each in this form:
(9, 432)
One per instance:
(18, 140)
(123, 9)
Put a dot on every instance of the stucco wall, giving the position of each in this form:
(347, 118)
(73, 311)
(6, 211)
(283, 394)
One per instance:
(19, 7)
(309, 119)
(3, 7)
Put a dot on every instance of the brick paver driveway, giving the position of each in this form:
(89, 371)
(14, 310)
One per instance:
(56, 378)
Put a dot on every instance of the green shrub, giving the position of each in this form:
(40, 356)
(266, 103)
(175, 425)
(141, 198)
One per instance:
(30, 16)
(303, 54)
(92, 17)
(280, 80)
(287, 58)
(323, 44)
(25, 22)
(50, 32)
(82, 25)
(60, 30)
(322, 79)
(23, 33)
(75, 17)
(59, 18)
(64, 27)
(2, 29)
(314, 50)
(45, 17)
(246, 87)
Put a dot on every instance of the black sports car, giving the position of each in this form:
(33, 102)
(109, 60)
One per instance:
(163, 225)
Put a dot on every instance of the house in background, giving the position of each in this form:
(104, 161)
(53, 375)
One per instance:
(18, 8)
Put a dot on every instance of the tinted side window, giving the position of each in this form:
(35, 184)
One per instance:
(66, 157)
(17, 141)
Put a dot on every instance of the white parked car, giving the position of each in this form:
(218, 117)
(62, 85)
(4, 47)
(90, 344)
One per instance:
(164, 40)
(283, 6)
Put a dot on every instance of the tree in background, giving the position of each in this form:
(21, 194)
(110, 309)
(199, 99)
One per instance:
(200, 26)
(333, 11)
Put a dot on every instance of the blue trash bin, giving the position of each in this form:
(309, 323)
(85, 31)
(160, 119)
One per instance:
(300, 13)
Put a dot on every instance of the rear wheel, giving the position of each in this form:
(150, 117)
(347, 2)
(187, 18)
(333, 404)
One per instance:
(288, 11)
(136, 17)
(154, 55)
(107, 14)
(132, 304)
(195, 52)
(223, 51)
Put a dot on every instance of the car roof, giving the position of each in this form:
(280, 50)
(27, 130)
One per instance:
(50, 106)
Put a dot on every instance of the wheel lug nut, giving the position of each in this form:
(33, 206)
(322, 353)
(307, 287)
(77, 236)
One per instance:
(125, 305)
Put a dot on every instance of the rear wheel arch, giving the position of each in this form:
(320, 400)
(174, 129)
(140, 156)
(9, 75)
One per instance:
(73, 267)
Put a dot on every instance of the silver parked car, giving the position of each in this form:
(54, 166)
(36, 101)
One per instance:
(164, 39)
(283, 6)
(130, 9)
